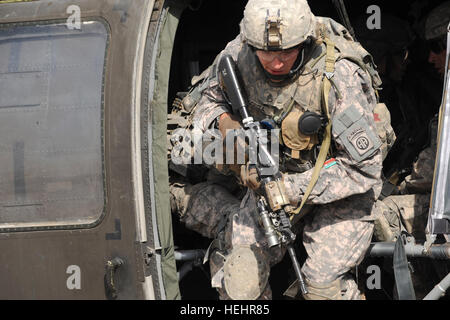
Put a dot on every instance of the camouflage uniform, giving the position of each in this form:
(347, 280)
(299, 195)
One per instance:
(339, 230)
(408, 211)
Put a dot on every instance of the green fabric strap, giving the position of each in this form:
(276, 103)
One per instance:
(169, 25)
(326, 88)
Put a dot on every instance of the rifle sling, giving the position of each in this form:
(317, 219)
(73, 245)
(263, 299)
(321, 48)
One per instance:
(403, 281)
(324, 148)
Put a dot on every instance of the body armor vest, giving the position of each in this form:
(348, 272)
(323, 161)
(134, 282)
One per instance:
(303, 93)
(285, 105)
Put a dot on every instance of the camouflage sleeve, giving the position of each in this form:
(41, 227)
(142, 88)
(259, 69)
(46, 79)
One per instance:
(357, 163)
(212, 103)
(421, 178)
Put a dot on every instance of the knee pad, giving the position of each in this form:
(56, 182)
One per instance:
(246, 273)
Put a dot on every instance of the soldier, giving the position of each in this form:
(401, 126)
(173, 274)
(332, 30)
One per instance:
(408, 211)
(284, 53)
(411, 91)
(419, 182)
(435, 33)
(389, 46)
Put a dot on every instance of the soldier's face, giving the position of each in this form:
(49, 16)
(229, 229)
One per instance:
(278, 62)
(438, 61)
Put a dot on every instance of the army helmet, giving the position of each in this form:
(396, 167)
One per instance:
(437, 21)
(277, 24)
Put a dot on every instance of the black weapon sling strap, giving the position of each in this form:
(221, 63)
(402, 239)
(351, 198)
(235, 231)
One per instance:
(403, 282)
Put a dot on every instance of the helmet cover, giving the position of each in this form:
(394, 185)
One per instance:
(277, 24)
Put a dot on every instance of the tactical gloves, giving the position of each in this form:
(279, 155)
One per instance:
(249, 177)
(228, 121)
(229, 126)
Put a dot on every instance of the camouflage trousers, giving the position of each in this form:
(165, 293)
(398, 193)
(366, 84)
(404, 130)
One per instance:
(407, 213)
(399, 213)
(336, 237)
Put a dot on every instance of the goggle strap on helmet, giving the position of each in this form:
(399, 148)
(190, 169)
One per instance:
(273, 32)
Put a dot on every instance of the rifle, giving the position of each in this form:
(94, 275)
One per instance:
(273, 206)
(343, 15)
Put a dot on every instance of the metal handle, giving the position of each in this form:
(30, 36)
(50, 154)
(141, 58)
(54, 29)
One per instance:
(110, 282)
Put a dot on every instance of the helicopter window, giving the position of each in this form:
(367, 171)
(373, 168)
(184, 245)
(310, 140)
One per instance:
(51, 125)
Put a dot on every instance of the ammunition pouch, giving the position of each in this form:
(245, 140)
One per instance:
(293, 138)
(199, 84)
(384, 129)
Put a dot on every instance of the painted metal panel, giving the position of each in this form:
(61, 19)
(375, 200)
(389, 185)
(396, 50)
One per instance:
(78, 263)
(439, 218)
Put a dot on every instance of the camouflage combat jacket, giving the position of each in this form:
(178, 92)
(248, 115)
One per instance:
(354, 167)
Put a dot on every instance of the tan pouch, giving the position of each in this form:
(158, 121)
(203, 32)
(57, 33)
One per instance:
(292, 137)
(385, 131)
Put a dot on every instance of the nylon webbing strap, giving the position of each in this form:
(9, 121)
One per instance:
(326, 86)
(403, 282)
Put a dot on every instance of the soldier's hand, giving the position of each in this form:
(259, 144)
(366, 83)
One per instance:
(250, 177)
(227, 122)
(293, 199)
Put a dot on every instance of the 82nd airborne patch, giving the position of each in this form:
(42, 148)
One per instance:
(360, 140)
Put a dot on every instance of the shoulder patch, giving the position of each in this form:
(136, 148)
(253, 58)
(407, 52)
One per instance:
(360, 140)
(354, 133)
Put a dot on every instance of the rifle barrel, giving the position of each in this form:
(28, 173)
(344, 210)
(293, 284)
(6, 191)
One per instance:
(296, 266)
